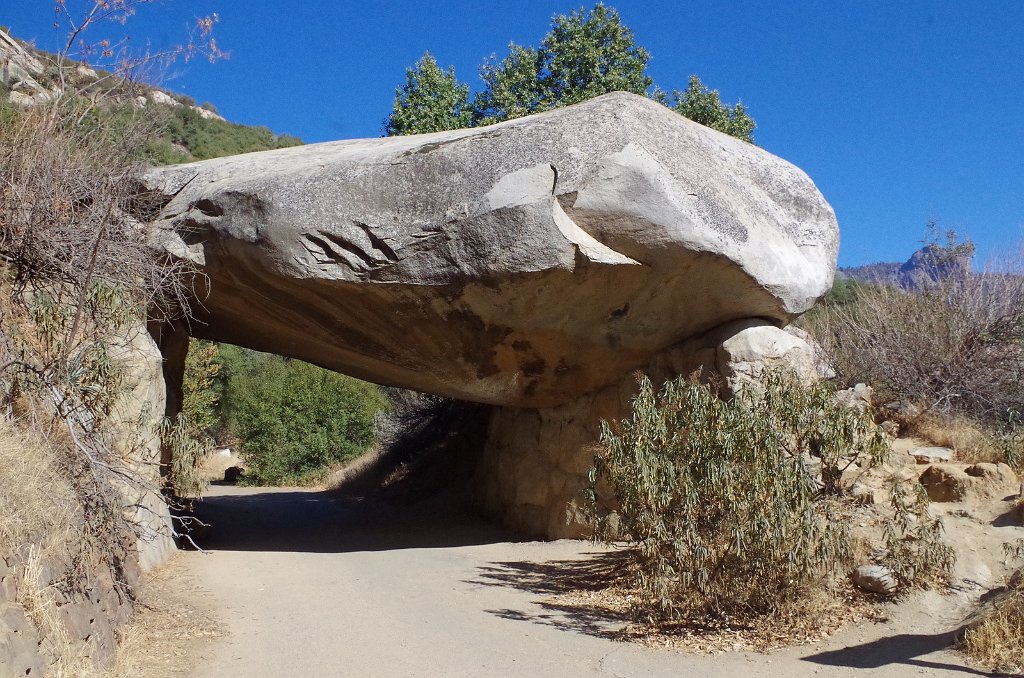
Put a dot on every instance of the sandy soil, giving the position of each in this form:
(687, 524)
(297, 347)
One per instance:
(311, 584)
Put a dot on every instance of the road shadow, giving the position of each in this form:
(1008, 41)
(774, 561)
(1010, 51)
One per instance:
(590, 573)
(256, 519)
(903, 649)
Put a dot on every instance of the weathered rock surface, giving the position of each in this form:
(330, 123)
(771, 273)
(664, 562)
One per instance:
(531, 265)
(522, 264)
(136, 418)
(19, 644)
(874, 578)
(19, 73)
(946, 482)
(856, 398)
(996, 474)
(957, 482)
(931, 455)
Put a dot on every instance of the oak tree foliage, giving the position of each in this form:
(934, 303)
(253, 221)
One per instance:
(431, 100)
(585, 54)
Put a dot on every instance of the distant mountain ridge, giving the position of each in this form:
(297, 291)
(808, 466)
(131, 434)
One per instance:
(928, 265)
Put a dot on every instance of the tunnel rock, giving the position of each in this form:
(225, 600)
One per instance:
(529, 265)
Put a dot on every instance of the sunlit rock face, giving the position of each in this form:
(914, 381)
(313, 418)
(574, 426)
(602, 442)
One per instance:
(525, 265)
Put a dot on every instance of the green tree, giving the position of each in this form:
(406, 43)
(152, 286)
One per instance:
(431, 100)
(703, 105)
(585, 54)
(199, 397)
(295, 419)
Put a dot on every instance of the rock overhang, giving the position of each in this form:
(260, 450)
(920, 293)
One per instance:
(522, 264)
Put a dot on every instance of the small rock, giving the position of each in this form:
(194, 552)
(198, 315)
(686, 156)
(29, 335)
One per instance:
(904, 410)
(931, 455)
(997, 473)
(875, 579)
(1016, 580)
(863, 495)
(945, 483)
(890, 428)
(856, 398)
(19, 644)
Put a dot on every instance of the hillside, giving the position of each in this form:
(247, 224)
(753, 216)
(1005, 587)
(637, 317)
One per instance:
(181, 130)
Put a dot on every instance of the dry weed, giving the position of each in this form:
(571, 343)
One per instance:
(33, 500)
(996, 640)
(964, 435)
(161, 640)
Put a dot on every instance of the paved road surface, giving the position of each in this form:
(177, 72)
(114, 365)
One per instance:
(313, 585)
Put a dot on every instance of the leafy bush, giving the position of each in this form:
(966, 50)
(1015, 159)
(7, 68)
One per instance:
(703, 105)
(431, 100)
(913, 549)
(199, 397)
(188, 435)
(211, 138)
(586, 53)
(727, 501)
(295, 419)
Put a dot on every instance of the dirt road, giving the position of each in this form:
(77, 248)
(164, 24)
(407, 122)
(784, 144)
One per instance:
(312, 585)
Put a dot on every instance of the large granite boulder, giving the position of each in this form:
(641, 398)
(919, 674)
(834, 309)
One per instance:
(530, 264)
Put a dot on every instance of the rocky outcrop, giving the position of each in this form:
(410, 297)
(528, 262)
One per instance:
(20, 74)
(927, 266)
(134, 423)
(531, 265)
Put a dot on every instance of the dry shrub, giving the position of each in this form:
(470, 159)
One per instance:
(75, 273)
(66, 201)
(996, 638)
(952, 346)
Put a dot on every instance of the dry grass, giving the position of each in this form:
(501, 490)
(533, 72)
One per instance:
(37, 513)
(964, 435)
(996, 640)
(166, 637)
(33, 499)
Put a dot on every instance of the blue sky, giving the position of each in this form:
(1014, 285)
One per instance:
(901, 112)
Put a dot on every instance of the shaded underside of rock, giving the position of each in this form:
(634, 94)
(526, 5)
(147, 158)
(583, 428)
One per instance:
(523, 264)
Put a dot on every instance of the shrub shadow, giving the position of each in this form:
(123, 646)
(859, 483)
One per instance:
(904, 649)
(589, 573)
